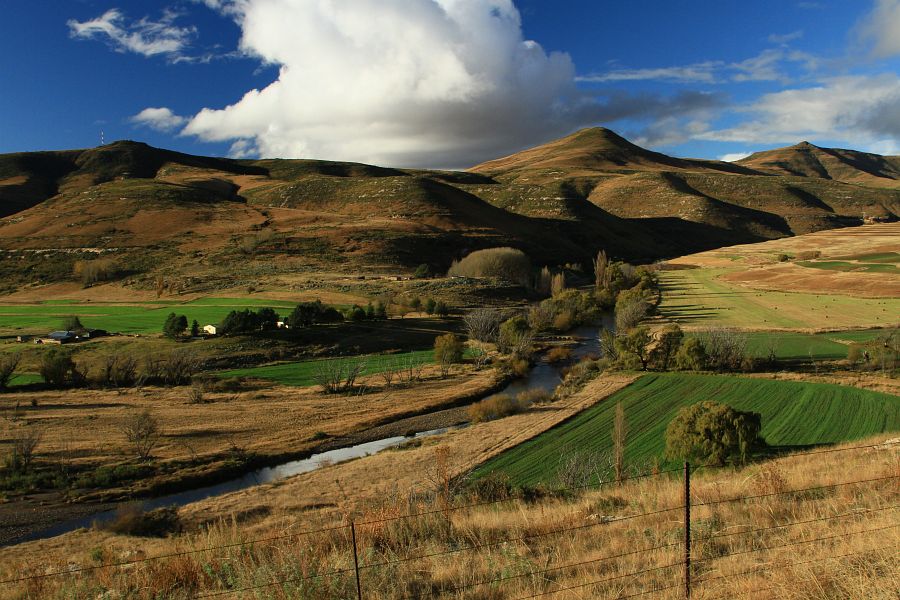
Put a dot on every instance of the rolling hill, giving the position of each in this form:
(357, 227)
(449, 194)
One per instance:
(192, 218)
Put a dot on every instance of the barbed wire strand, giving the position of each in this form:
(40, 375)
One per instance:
(451, 509)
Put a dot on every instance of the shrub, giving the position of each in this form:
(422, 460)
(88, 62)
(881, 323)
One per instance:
(691, 355)
(497, 407)
(59, 370)
(93, 271)
(306, 314)
(130, 519)
(534, 396)
(544, 283)
(117, 370)
(578, 308)
(558, 284)
(663, 354)
(448, 351)
(441, 309)
(519, 367)
(142, 433)
(558, 354)
(493, 487)
(24, 440)
(248, 321)
(423, 271)
(483, 324)
(430, 305)
(415, 304)
(632, 307)
(71, 323)
(175, 326)
(8, 365)
(507, 264)
(634, 345)
(726, 348)
(336, 376)
(712, 432)
(564, 321)
(515, 337)
(356, 313)
(540, 317)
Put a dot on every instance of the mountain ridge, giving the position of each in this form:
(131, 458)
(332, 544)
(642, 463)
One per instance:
(158, 210)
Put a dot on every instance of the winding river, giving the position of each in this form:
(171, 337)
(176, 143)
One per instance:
(542, 376)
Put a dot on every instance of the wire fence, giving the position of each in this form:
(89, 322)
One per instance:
(686, 565)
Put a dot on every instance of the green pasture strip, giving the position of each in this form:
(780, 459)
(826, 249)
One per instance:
(303, 373)
(793, 414)
(876, 257)
(837, 265)
(696, 297)
(127, 318)
(820, 346)
(21, 379)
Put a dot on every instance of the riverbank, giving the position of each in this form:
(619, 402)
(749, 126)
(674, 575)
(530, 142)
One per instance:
(328, 494)
(269, 427)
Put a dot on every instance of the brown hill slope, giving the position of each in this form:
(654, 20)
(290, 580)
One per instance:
(162, 212)
(807, 160)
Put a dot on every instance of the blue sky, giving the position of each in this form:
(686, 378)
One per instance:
(448, 83)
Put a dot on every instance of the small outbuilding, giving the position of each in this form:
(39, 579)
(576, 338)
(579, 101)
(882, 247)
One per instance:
(58, 337)
(210, 329)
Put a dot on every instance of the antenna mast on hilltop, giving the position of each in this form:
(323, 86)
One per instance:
(101, 137)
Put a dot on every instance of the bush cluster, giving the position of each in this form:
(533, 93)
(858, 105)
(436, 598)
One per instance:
(712, 432)
(497, 407)
(307, 314)
(507, 264)
(248, 321)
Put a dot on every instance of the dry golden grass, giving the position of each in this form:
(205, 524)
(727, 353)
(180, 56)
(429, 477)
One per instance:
(756, 265)
(84, 426)
(824, 542)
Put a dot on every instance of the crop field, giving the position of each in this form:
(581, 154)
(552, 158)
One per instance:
(880, 262)
(137, 317)
(303, 373)
(794, 414)
(798, 346)
(699, 297)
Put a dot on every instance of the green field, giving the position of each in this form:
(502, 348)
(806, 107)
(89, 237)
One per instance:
(794, 414)
(25, 379)
(143, 317)
(803, 346)
(699, 297)
(840, 265)
(303, 373)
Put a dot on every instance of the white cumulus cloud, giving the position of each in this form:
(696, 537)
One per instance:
(144, 36)
(881, 28)
(734, 156)
(397, 82)
(861, 110)
(160, 119)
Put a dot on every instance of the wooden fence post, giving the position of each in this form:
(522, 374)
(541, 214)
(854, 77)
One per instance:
(687, 529)
(355, 561)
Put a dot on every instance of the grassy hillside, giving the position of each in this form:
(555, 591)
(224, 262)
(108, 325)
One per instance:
(793, 415)
(808, 160)
(703, 297)
(206, 221)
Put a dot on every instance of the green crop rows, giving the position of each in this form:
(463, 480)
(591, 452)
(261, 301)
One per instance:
(794, 415)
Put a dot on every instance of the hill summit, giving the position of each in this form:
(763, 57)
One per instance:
(208, 219)
(808, 160)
